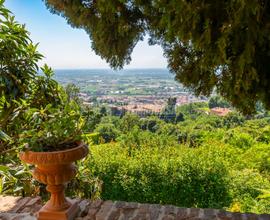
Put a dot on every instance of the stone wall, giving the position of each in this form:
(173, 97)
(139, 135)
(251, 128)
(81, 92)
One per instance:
(16, 208)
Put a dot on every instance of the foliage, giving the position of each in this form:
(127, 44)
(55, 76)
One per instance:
(92, 138)
(51, 129)
(72, 92)
(103, 111)
(92, 118)
(204, 161)
(220, 45)
(233, 119)
(107, 131)
(18, 57)
(247, 185)
(116, 121)
(19, 80)
(17, 180)
(85, 185)
(168, 114)
(218, 101)
(34, 109)
(238, 139)
(128, 122)
(149, 176)
(151, 123)
(212, 175)
(191, 110)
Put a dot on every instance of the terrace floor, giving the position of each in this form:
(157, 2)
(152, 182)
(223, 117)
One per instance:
(18, 208)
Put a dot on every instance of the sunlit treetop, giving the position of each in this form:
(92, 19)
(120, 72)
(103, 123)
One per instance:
(208, 44)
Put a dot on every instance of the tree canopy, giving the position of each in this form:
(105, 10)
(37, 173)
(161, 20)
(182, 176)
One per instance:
(208, 44)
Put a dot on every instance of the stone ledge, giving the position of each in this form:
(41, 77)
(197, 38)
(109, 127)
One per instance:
(17, 208)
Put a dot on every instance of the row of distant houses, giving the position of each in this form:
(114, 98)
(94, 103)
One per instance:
(148, 105)
(147, 110)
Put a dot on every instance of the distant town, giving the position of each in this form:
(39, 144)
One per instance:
(138, 91)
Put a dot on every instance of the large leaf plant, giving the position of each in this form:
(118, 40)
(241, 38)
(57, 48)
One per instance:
(34, 108)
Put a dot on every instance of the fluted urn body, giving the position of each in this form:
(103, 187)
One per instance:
(55, 169)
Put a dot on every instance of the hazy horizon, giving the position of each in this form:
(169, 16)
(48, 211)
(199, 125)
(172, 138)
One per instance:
(101, 68)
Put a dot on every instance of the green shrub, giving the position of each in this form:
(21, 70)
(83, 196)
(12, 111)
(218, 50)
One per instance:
(246, 186)
(257, 157)
(17, 180)
(264, 135)
(151, 123)
(116, 121)
(240, 140)
(128, 122)
(137, 139)
(169, 176)
(85, 185)
(108, 132)
(92, 138)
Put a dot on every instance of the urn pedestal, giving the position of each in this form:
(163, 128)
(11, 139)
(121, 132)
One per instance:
(55, 169)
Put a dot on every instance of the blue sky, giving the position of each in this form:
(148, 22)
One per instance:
(66, 47)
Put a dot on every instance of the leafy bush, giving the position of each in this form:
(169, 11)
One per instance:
(241, 140)
(85, 185)
(107, 131)
(213, 175)
(192, 110)
(51, 129)
(233, 119)
(92, 138)
(264, 135)
(154, 174)
(21, 87)
(17, 180)
(128, 122)
(246, 186)
(151, 123)
(116, 121)
(218, 101)
(34, 111)
(257, 157)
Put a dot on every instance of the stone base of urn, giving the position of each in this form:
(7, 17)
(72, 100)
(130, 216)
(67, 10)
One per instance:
(67, 214)
(55, 169)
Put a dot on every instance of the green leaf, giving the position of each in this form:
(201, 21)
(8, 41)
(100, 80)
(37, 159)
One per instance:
(4, 136)
(4, 169)
(18, 188)
(20, 172)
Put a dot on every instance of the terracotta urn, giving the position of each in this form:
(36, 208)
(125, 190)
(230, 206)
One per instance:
(55, 169)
